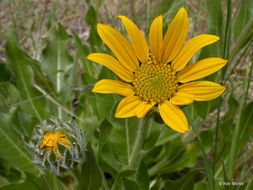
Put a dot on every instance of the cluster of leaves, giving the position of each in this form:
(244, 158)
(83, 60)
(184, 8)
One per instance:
(59, 85)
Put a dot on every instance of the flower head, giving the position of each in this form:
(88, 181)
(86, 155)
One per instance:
(56, 145)
(51, 140)
(159, 76)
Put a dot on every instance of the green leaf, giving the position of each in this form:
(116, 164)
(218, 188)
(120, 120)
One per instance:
(201, 186)
(8, 173)
(55, 57)
(188, 159)
(215, 17)
(20, 64)
(167, 8)
(104, 136)
(184, 183)
(47, 181)
(227, 127)
(11, 150)
(91, 178)
(246, 126)
(5, 72)
(82, 51)
(9, 96)
(242, 17)
(105, 155)
(91, 16)
(56, 61)
(131, 184)
(166, 135)
(204, 108)
(94, 40)
(118, 183)
(37, 183)
(142, 176)
(27, 185)
(3, 181)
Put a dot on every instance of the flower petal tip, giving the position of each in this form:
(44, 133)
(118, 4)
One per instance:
(186, 130)
(89, 57)
(216, 38)
(119, 16)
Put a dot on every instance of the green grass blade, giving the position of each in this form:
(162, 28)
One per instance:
(208, 167)
(226, 51)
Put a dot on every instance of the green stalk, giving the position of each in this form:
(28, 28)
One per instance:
(208, 167)
(226, 51)
(139, 141)
(147, 16)
(232, 155)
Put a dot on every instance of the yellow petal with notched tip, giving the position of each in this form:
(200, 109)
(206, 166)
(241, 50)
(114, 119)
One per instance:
(107, 86)
(200, 69)
(127, 107)
(156, 36)
(143, 109)
(181, 98)
(190, 48)
(173, 116)
(119, 46)
(112, 64)
(202, 90)
(137, 39)
(174, 37)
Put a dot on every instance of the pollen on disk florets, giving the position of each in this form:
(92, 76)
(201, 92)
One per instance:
(155, 82)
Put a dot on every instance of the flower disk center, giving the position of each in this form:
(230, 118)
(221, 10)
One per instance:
(155, 82)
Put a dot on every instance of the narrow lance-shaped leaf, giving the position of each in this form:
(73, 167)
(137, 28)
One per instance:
(20, 64)
(90, 174)
(55, 60)
(11, 150)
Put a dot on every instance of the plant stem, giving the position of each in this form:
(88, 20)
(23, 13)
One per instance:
(140, 138)
(226, 51)
(208, 167)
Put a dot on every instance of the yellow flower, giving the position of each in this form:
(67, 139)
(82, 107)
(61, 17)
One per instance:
(50, 141)
(158, 77)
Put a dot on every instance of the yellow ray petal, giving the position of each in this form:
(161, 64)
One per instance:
(156, 36)
(119, 46)
(174, 37)
(190, 48)
(173, 116)
(107, 86)
(112, 64)
(127, 107)
(143, 109)
(200, 69)
(62, 139)
(202, 90)
(182, 98)
(137, 39)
